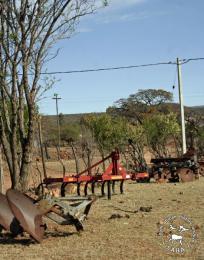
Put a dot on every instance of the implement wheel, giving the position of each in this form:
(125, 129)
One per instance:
(186, 175)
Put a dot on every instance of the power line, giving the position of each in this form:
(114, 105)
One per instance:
(109, 68)
(183, 61)
(191, 59)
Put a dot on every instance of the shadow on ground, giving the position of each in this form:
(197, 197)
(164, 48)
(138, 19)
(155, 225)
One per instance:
(6, 239)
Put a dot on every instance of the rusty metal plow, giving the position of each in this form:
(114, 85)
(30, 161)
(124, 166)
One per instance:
(19, 213)
(70, 210)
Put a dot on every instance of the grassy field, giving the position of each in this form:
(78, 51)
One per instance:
(132, 234)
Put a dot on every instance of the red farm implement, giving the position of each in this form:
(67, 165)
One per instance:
(141, 177)
(113, 173)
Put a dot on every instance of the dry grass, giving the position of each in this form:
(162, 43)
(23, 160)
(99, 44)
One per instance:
(133, 236)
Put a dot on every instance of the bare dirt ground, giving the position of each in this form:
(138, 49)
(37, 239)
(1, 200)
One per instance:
(132, 234)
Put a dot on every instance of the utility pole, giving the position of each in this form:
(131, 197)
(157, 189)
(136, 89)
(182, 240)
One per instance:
(58, 123)
(183, 131)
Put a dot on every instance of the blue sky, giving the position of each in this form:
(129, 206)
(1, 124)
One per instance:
(129, 32)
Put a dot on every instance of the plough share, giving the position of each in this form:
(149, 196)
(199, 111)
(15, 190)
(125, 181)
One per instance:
(19, 212)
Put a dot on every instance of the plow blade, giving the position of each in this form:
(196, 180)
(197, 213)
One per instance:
(26, 213)
(7, 219)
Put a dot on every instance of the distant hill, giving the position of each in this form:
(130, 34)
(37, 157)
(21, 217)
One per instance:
(175, 107)
(198, 109)
(67, 118)
(75, 118)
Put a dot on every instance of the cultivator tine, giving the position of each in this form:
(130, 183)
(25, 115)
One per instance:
(113, 186)
(85, 188)
(26, 213)
(64, 184)
(7, 218)
(121, 186)
(109, 190)
(78, 188)
(93, 187)
(103, 188)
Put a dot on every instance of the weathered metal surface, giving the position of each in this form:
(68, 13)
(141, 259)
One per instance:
(201, 168)
(26, 213)
(186, 174)
(70, 210)
(169, 160)
(182, 169)
(7, 218)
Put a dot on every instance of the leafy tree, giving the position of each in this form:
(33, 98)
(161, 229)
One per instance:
(28, 31)
(195, 132)
(70, 131)
(108, 132)
(87, 143)
(152, 97)
(115, 132)
(137, 142)
(136, 106)
(200, 142)
(159, 130)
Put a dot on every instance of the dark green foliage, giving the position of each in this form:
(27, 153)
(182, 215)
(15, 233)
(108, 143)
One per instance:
(137, 105)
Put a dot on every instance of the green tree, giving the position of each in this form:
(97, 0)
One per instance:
(109, 132)
(159, 130)
(195, 132)
(116, 132)
(136, 106)
(137, 142)
(70, 131)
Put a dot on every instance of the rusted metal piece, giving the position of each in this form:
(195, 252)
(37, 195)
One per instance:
(26, 213)
(163, 174)
(141, 176)
(182, 169)
(201, 168)
(69, 210)
(7, 218)
(21, 212)
(186, 174)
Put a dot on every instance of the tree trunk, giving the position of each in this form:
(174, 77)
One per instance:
(46, 152)
(27, 153)
(1, 172)
(75, 157)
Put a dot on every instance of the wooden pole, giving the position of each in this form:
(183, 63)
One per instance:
(58, 122)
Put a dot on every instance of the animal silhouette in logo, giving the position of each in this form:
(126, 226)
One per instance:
(177, 237)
